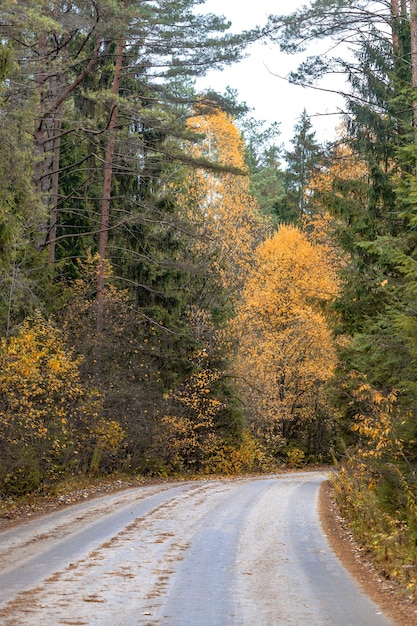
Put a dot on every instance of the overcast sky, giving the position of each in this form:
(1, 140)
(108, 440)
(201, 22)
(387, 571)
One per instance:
(272, 98)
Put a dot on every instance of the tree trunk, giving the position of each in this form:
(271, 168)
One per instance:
(413, 31)
(40, 124)
(56, 147)
(395, 14)
(53, 50)
(106, 199)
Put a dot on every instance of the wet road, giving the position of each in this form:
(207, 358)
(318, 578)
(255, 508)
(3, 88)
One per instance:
(246, 552)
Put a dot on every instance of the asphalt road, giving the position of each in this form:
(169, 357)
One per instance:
(246, 552)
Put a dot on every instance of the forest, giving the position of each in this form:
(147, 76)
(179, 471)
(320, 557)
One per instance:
(179, 295)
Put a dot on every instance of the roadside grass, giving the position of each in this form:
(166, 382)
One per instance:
(387, 534)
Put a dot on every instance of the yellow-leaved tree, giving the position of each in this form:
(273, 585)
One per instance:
(202, 428)
(50, 423)
(285, 354)
(228, 222)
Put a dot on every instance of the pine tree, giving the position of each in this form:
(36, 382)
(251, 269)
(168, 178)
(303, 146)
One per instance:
(76, 106)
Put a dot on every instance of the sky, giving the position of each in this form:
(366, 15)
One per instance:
(257, 80)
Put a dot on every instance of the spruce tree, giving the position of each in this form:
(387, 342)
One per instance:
(263, 158)
(302, 162)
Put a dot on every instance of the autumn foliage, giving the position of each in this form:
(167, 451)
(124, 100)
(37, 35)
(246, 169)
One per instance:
(285, 353)
(219, 202)
(227, 375)
(50, 422)
(193, 436)
(201, 429)
(375, 486)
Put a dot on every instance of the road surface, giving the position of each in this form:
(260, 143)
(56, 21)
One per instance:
(244, 552)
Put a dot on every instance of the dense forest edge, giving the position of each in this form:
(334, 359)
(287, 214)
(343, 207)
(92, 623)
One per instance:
(179, 295)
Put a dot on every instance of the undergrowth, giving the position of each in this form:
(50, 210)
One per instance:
(381, 511)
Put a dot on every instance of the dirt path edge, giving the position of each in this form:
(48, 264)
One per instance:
(385, 593)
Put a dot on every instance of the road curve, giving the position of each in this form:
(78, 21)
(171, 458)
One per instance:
(245, 552)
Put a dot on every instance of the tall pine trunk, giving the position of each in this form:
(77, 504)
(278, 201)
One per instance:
(53, 91)
(106, 199)
(56, 147)
(413, 31)
(395, 15)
